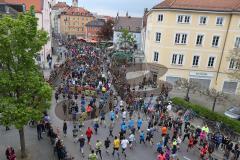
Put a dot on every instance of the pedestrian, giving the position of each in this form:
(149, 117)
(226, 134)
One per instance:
(142, 137)
(89, 134)
(10, 153)
(131, 140)
(116, 146)
(190, 142)
(81, 140)
(92, 156)
(64, 106)
(39, 131)
(98, 148)
(161, 156)
(107, 145)
(65, 128)
(124, 144)
(111, 126)
(139, 123)
(56, 96)
(96, 126)
(75, 133)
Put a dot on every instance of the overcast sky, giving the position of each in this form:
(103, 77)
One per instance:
(111, 7)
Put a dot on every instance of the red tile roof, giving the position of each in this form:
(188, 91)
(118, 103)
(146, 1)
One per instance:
(38, 4)
(60, 5)
(203, 5)
(78, 11)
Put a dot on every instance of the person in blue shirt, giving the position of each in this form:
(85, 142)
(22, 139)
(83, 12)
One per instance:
(123, 127)
(159, 147)
(112, 116)
(142, 137)
(139, 123)
(130, 123)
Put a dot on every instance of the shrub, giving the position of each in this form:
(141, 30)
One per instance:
(206, 113)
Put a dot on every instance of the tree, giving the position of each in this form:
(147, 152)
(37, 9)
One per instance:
(106, 31)
(126, 39)
(215, 95)
(189, 85)
(235, 62)
(24, 94)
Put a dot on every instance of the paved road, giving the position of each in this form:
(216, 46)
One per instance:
(42, 150)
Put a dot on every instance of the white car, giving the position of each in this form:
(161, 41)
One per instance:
(233, 112)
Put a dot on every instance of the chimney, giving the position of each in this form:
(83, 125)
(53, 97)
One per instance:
(75, 3)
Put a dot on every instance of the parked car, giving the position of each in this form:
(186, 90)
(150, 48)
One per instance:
(233, 112)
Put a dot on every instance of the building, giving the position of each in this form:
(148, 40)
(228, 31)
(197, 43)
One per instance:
(194, 39)
(133, 24)
(73, 21)
(57, 10)
(42, 12)
(11, 9)
(92, 28)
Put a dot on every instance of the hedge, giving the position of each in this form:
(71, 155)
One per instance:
(206, 113)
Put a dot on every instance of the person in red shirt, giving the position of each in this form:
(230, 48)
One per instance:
(89, 133)
(161, 156)
(190, 142)
(203, 151)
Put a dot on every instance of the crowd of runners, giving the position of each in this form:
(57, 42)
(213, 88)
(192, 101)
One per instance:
(85, 92)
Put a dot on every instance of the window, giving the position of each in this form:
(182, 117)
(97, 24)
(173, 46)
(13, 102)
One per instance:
(237, 43)
(230, 87)
(156, 55)
(160, 17)
(203, 20)
(183, 19)
(158, 37)
(215, 41)
(233, 64)
(177, 59)
(181, 38)
(199, 40)
(211, 61)
(219, 21)
(195, 60)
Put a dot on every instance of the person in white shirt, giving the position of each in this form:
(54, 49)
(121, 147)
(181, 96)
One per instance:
(124, 144)
(169, 107)
(131, 140)
(124, 115)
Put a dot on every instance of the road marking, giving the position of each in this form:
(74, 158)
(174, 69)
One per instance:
(186, 158)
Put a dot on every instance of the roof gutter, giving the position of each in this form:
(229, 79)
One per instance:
(224, 46)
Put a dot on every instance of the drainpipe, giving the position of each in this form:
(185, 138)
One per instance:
(43, 46)
(224, 46)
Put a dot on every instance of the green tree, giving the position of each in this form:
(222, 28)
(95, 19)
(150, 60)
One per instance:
(24, 94)
(126, 39)
(188, 85)
(215, 95)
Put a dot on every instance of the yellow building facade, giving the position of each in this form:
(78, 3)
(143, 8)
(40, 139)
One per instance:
(194, 43)
(73, 21)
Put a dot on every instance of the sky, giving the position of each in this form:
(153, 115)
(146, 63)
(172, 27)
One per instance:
(111, 7)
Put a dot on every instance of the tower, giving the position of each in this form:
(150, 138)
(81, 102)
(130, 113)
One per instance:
(75, 3)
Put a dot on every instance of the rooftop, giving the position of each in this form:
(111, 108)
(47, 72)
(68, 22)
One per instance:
(133, 24)
(38, 4)
(77, 11)
(201, 5)
(60, 5)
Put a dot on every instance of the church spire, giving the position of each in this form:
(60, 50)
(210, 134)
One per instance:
(75, 3)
